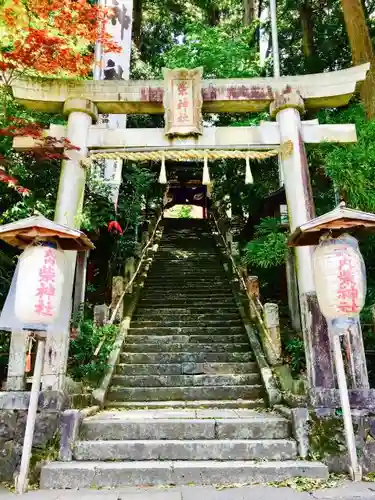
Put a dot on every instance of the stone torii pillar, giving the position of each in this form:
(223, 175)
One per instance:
(287, 108)
(81, 113)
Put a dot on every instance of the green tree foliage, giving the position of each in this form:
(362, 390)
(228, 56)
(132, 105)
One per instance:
(350, 167)
(184, 212)
(221, 52)
(83, 365)
(268, 247)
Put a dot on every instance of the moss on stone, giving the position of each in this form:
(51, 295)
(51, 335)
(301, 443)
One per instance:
(40, 456)
(326, 437)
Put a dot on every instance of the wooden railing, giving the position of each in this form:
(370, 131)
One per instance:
(139, 266)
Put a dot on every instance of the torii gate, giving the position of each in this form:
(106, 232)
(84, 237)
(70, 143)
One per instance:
(287, 98)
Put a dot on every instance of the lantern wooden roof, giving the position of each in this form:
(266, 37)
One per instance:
(338, 221)
(21, 233)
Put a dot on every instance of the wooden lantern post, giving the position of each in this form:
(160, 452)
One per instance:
(329, 230)
(49, 235)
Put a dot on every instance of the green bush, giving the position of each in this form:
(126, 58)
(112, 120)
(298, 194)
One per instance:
(83, 365)
(268, 247)
(294, 352)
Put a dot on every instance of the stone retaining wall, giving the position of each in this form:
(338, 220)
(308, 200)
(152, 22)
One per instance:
(13, 414)
(320, 436)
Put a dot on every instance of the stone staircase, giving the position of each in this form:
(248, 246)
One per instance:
(186, 404)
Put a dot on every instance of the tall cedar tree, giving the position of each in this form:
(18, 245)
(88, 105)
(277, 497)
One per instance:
(362, 49)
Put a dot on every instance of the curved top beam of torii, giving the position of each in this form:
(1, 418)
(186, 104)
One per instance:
(323, 90)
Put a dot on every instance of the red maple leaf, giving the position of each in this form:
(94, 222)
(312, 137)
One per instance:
(43, 35)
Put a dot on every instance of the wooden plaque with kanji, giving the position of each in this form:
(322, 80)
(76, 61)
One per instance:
(183, 101)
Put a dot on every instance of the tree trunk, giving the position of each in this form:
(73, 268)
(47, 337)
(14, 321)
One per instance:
(213, 13)
(137, 22)
(362, 49)
(306, 14)
(249, 12)
(259, 13)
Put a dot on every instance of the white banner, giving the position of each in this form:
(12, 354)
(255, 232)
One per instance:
(116, 66)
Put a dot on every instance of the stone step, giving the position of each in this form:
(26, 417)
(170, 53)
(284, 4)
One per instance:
(140, 323)
(188, 262)
(118, 426)
(178, 282)
(182, 248)
(200, 239)
(182, 314)
(197, 270)
(183, 347)
(187, 330)
(174, 281)
(192, 266)
(194, 276)
(186, 339)
(184, 380)
(188, 291)
(167, 252)
(185, 357)
(169, 296)
(272, 449)
(204, 286)
(191, 302)
(118, 393)
(197, 267)
(244, 404)
(182, 294)
(78, 475)
(188, 310)
(182, 291)
(183, 368)
(169, 262)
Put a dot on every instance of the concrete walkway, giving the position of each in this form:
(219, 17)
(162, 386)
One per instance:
(346, 491)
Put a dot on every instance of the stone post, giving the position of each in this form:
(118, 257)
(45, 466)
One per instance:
(291, 279)
(145, 238)
(101, 314)
(229, 239)
(129, 270)
(272, 344)
(287, 108)
(235, 250)
(358, 358)
(17, 361)
(117, 291)
(81, 113)
(80, 282)
(290, 268)
(252, 283)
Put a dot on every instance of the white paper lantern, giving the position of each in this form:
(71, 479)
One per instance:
(39, 284)
(340, 279)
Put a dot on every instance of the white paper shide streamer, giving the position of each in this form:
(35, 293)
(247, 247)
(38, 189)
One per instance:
(163, 172)
(206, 181)
(248, 175)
